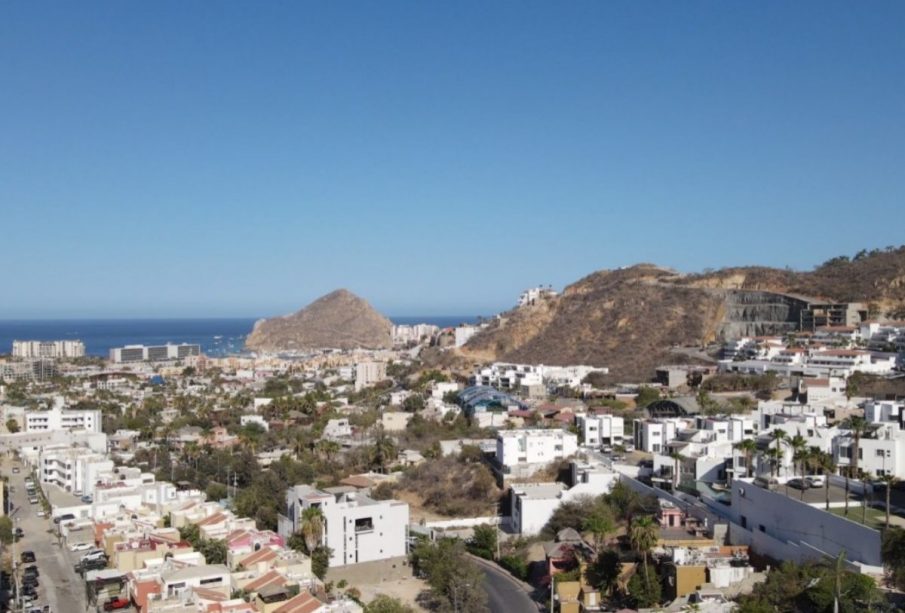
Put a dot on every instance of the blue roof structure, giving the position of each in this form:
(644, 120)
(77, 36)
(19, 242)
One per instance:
(481, 398)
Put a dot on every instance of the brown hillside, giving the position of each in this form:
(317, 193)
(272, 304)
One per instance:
(339, 320)
(629, 319)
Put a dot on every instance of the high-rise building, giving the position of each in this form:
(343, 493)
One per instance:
(153, 353)
(48, 349)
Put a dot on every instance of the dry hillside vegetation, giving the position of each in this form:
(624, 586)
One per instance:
(629, 319)
(339, 320)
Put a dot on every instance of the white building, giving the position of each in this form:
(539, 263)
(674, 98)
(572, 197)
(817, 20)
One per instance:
(652, 435)
(464, 333)
(58, 418)
(532, 295)
(48, 349)
(154, 353)
(416, 333)
(881, 450)
(338, 428)
(357, 528)
(504, 375)
(369, 373)
(74, 469)
(254, 419)
(597, 430)
(523, 452)
(532, 504)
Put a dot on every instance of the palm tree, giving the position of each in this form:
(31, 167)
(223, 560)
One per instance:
(799, 446)
(858, 426)
(749, 448)
(864, 477)
(888, 480)
(312, 527)
(778, 435)
(383, 450)
(774, 456)
(677, 460)
(643, 534)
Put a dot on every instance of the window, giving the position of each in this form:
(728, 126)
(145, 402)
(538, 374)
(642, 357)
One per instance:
(880, 453)
(364, 524)
(761, 528)
(744, 521)
(211, 581)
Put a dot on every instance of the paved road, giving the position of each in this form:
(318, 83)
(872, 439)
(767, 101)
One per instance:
(504, 594)
(60, 586)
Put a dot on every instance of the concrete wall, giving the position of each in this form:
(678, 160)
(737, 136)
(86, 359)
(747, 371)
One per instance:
(785, 528)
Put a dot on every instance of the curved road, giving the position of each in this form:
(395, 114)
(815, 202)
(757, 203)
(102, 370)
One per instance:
(505, 594)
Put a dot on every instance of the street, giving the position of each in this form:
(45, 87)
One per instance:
(504, 594)
(60, 586)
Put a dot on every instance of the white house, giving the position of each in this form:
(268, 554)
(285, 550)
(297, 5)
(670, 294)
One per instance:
(357, 528)
(597, 430)
(523, 452)
(254, 419)
(532, 504)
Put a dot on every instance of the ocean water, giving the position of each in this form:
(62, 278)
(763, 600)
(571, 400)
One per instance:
(216, 336)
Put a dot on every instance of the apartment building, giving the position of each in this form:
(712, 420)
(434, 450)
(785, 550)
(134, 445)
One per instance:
(357, 528)
(597, 430)
(525, 451)
(74, 469)
(369, 373)
(59, 418)
(48, 349)
(153, 353)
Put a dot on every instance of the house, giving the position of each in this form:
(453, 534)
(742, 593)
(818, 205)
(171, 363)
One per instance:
(521, 453)
(597, 430)
(357, 527)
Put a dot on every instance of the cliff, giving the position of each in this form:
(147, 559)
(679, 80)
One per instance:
(339, 320)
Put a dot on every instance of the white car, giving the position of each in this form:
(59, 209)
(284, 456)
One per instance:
(81, 547)
(816, 480)
(42, 514)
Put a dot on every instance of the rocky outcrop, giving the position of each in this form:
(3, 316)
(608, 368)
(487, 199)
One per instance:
(339, 320)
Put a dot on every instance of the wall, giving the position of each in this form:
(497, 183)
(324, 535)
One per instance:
(785, 528)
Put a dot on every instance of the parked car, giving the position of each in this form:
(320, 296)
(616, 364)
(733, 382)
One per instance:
(86, 499)
(816, 480)
(80, 547)
(31, 570)
(94, 555)
(20, 533)
(42, 513)
(33, 500)
(116, 603)
(629, 447)
(15, 470)
(799, 484)
(28, 557)
(62, 518)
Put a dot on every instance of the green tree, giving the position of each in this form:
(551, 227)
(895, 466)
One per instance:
(604, 570)
(455, 581)
(748, 447)
(382, 451)
(600, 522)
(413, 403)
(312, 528)
(12, 425)
(644, 590)
(893, 553)
(646, 395)
(483, 542)
(213, 550)
(888, 481)
(643, 534)
(6, 530)
(387, 604)
(320, 561)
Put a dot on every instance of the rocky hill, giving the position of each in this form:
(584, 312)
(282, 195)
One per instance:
(631, 319)
(338, 320)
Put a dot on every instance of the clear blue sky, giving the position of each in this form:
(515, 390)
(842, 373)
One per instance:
(242, 158)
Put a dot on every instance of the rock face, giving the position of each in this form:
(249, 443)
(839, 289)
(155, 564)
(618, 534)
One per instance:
(629, 320)
(339, 320)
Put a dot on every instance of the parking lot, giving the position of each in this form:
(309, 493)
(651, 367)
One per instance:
(59, 586)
